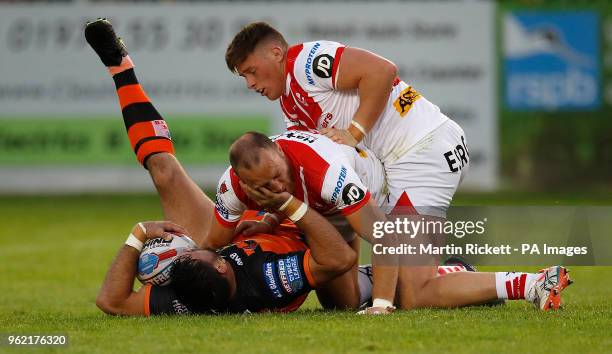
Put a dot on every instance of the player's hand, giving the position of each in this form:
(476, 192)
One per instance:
(340, 136)
(377, 311)
(154, 229)
(264, 197)
(249, 228)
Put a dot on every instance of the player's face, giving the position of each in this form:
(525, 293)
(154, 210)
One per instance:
(264, 71)
(272, 172)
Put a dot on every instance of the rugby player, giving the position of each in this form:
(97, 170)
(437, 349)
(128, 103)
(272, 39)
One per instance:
(182, 200)
(257, 273)
(299, 163)
(184, 203)
(355, 97)
(317, 171)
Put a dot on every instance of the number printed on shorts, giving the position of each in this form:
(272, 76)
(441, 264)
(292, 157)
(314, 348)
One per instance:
(458, 158)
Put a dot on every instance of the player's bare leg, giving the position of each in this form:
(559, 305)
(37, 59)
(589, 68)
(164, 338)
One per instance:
(182, 200)
(343, 291)
(421, 286)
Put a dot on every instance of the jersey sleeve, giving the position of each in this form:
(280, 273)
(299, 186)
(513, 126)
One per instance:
(317, 66)
(228, 206)
(343, 188)
(162, 300)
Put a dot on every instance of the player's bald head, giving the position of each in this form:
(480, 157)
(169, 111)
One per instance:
(247, 151)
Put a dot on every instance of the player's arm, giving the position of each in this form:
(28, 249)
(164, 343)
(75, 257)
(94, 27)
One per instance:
(330, 255)
(117, 297)
(385, 270)
(218, 236)
(373, 76)
(228, 210)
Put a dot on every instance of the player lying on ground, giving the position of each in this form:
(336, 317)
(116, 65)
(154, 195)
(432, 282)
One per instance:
(256, 273)
(262, 272)
(184, 202)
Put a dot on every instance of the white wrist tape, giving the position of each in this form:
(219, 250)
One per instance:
(134, 242)
(299, 213)
(382, 303)
(285, 204)
(359, 127)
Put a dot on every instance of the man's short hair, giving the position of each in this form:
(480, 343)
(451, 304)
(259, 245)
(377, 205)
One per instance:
(245, 151)
(245, 42)
(199, 286)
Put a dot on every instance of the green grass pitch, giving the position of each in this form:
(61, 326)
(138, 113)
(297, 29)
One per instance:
(54, 252)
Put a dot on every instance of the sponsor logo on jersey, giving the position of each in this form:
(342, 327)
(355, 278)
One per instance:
(322, 65)
(221, 209)
(326, 120)
(269, 270)
(306, 138)
(361, 153)
(352, 194)
(405, 100)
(301, 99)
(236, 258)
(179, 308)
(552, 60)
(289, 274)
(308, 66)
(339, 184)
(223, 188)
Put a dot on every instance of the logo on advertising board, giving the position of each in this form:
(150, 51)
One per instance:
(551, 60)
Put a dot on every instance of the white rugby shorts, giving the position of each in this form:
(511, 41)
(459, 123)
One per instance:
(424, 180)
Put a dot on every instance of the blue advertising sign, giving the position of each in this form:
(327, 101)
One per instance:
(551, 61)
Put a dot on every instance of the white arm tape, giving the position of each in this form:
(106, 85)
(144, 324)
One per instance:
(134, 242)
(285, 204)
(299, 213)
(359, 127)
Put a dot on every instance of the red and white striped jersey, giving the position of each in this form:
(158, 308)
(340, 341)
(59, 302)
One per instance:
(324, 177)
(311, 102)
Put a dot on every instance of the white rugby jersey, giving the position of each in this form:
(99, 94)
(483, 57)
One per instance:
(324, 177)
(312, 102)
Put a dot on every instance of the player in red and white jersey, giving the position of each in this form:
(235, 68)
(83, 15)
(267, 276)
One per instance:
(184, 203)
(355, 97)
(312, 101)
(316, 171)
(327, 176)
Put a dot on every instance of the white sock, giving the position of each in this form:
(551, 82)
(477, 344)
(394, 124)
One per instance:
(513, 285)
